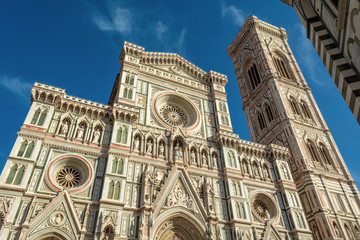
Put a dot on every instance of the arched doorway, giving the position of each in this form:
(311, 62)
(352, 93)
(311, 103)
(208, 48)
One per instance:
(52, 236)
(48, 235)
(179, 228)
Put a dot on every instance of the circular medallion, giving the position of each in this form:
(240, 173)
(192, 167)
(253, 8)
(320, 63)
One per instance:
(175, 110)
(70, 172)
(57, 218)
(264, 206)
(176, 70)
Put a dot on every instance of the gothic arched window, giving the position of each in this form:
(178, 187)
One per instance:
(226, 121)
(294, 107)
(119, 135)
(22, 148)
(117, 191)
(261, 121)
(312, 151)
(19, 175)
(114, 165)
(120, 166)
(281, 67)
(131, 80)
(29, 150)
(42, 118)
(12, 173)
(231, 159)
(324, 154)
(111, 190)
(130, 94)
(269, 112)
(127, 79)
(125, 94)
(42, 97)
(348, 231)
(254, 76)
(36, 116)
(124, 136)
(305, 110)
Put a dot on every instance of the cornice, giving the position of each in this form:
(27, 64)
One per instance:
(140, 56)
(253, 23)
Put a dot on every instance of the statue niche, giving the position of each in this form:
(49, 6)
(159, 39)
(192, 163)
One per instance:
(178, 150)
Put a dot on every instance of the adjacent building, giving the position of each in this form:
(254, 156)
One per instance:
(333, 28)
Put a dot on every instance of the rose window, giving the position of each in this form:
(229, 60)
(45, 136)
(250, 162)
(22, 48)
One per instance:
(173, 115)
(68, 177)
(171, 109)
(69, 171)
(260, 208)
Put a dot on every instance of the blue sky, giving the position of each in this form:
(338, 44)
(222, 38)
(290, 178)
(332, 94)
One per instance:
(76, 45)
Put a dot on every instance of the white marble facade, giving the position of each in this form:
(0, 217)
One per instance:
(160, 161)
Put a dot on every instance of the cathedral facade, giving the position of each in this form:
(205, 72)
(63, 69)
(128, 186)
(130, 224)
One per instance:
(160, 160)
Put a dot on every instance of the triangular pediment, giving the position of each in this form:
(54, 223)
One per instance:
(178, 192)
(59, 215)
(271, 233)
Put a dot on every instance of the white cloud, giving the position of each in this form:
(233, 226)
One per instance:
(236, 14)
(120, 20)
(102, 23)
(181, 40)
(160, 29)
(16, 85)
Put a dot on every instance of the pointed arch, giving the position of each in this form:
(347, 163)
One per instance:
(111, 190)
(29, 149)
(226, 121)
(269, 112)
(294, 106)
(22, 148)
(42, 118)
(19, 175)
(124, 136)
(42, 97)
(132, 80)
(125, 93)
(117, 191)
(12, 173)
(253, 75)
(36, 116)
(130, 93)
(305, 110)
(120, 166)
(312, 151)
(114, 165)
(119, 135)
(127, 77)
(261, 120)
(324, 153)
(281, 66)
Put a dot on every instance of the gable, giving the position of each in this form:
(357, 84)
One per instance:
(58, 216)
(179, 193)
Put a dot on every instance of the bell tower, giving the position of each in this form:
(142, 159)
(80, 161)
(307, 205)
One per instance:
(281, 109)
